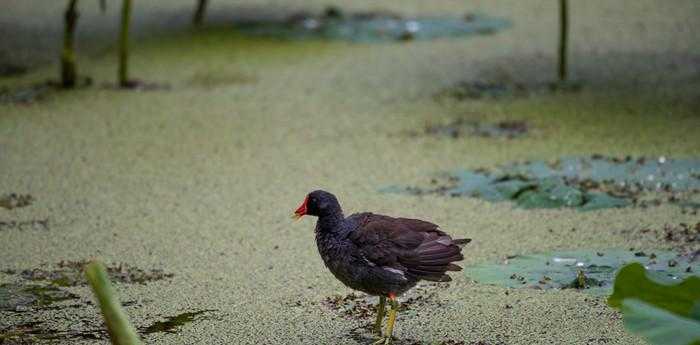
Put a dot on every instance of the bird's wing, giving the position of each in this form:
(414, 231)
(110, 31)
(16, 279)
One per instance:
(415, 247)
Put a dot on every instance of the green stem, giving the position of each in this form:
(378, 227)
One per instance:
(124, 44)
(198, 17)
(68, 67)
(120, 329)
(563, 38)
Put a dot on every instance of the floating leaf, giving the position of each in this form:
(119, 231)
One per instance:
(369, 27)
(633, 282)
(583, 183)
(664, 312)
(592, 271)
(659, 326)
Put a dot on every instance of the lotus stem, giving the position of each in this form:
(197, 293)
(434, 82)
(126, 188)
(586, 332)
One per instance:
(198, 17)
(563, 38)
(121, 332)
(124, 44)
(68, 66)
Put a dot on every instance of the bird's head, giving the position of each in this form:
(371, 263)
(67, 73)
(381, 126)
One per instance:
(317, 203)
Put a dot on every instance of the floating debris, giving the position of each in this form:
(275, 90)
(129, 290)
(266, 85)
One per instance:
(171, 324)
(36, 331)
(211, 80)
(367, 27)
(360, 306)
(592, 271)
(24, 95)
(487, 89)
(29, 94)
(40, 290)
(13, 200)
(583, 183)
(461, 128)
(34, 224)
(138, 85)
(70, 273)
(8, 69)
(353, 305)
(23, 298)
(683, 238)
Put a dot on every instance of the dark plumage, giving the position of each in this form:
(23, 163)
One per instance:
(377, 254)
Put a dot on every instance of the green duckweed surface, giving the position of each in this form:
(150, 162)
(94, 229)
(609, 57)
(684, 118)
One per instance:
(199, 178)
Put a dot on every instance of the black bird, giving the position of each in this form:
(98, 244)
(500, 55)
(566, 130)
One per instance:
(380, 255)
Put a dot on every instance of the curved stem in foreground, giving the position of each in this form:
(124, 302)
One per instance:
(121, 332)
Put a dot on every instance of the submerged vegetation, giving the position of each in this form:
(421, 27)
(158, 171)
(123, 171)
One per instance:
(172, 323)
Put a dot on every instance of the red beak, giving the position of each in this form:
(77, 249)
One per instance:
(301, 210)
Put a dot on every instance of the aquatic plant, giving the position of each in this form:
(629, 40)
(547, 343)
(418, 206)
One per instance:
(121, 332)
(198, 16)
(69, 69)
(123, 72)
(582, 183)
(592, 271)
(563, 38)
(68, 65)
(370, 27)
(662, 311)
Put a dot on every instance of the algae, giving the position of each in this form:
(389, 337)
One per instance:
(461, 128)
(23, 225)
(474, 90)
(360, 306)
(14, 200)
(22, 298)
(37, 332)
(172, 324)
(70, 273)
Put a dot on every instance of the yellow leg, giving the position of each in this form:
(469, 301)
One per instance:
(380, 315)
(386, 340)
(392, 319)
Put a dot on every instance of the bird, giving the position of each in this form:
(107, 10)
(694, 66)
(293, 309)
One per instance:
(380, 255)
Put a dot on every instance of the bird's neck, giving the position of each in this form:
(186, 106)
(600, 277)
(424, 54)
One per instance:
(330, 222)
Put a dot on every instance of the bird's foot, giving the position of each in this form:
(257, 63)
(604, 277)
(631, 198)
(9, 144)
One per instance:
(383, 340)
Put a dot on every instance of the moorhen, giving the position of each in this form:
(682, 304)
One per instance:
(380, 255)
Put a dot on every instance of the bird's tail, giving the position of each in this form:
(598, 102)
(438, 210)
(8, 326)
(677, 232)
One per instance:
(436, 257)
(461, 242)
